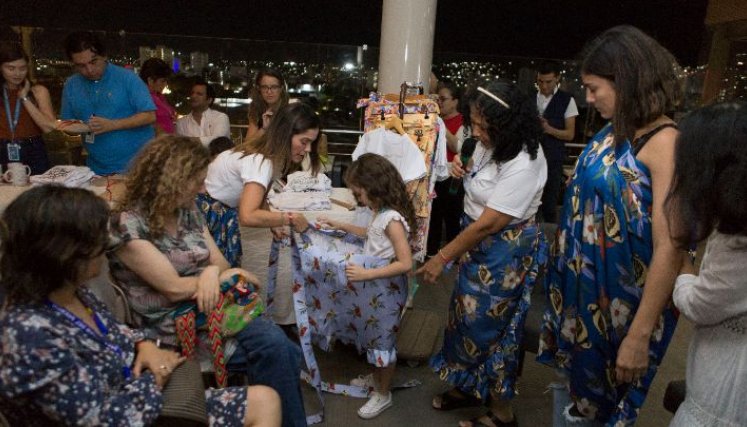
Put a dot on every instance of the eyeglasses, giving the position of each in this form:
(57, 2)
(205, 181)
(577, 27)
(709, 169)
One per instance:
(273, 88)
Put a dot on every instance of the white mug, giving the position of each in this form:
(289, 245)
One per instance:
(17, 174)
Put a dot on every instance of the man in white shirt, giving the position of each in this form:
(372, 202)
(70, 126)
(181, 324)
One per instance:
(203, 122)
(558, 111)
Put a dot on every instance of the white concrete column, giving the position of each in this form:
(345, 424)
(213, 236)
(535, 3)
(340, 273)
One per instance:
(406, 48)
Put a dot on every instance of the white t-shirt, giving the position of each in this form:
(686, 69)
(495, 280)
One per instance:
(228, 173)
(514, 188)
(212, 125)
(377, 243)
(398, 149)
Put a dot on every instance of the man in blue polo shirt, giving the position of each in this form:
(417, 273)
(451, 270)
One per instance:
(112, 100)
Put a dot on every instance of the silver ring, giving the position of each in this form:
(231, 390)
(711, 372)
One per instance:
(164, 367)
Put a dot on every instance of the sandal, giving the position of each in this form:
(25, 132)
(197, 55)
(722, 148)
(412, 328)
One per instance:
(494, 419)
(453, 399)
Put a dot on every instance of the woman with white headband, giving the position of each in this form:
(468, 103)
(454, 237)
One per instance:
(500, 249)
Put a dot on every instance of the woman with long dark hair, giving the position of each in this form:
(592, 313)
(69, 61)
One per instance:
(269, 94)
(610, 316)
(500, 248)
(64, 359)
(27, 112)
(708, 201)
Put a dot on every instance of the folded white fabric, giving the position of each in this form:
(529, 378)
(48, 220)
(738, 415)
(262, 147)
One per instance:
(304, 181)
(300, 201)
(67, 175)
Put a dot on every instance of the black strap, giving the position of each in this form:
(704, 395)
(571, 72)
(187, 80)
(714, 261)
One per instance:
(641, 141)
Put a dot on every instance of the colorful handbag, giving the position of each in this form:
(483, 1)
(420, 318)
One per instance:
(239, 304)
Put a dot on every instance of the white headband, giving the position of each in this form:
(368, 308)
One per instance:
(495, 97)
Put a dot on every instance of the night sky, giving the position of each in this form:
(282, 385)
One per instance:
(550, 29)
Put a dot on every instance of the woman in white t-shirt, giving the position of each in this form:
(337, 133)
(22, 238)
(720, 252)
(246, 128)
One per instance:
(238, 180)
(501, 249)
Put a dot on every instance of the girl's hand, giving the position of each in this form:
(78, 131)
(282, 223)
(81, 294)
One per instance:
(160, 362)
(356, 273)
(327, 224)
(632, 359)
(298, 222)
(431, 270)
(208, 289)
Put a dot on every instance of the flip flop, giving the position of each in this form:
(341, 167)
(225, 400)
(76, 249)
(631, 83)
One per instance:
(449, 401)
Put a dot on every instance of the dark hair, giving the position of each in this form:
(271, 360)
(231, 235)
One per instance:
(548, 67)
(155, 68)
(383, 184)
(258, 105)
(709, 186)
(219, 145)
(10, 52)
(643, 73)
(209, 90)
(83, 40)
(510, 129)
(453, 89)
(49, 233)
(275, 143)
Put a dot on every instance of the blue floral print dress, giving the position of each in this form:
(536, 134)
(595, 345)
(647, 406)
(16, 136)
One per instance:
(596, 274)
(52, 372)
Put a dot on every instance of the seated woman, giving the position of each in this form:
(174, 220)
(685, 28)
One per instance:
(64, 360)
(165, 256)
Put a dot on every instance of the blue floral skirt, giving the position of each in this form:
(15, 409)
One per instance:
(480, 355)
(223, 224)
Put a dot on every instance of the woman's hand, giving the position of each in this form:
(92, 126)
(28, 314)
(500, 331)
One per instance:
(356, 273)
(431, 270)
(24, 89)
(632, 359)
(208, 289)
(279, 233)
(266, 118)
(457, 168)
(161, 362)
(298, 222)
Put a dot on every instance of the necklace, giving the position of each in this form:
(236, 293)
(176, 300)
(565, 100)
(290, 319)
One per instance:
(480, 164)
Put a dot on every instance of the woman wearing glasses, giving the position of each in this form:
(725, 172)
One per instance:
(268, 95)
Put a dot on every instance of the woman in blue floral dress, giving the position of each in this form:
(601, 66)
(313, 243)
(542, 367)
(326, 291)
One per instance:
(501, 249)
(610, 316)
(64, 360)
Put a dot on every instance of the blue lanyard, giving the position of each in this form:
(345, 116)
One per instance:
(126, 372)
(11, 123)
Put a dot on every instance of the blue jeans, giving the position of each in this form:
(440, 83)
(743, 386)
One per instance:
(269, 358)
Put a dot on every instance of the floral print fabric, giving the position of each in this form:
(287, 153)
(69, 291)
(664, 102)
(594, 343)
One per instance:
(595, 280)
(53, 372)
(487, 311)
(223, 223)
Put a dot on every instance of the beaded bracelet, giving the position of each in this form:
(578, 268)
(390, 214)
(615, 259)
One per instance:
(443, 257)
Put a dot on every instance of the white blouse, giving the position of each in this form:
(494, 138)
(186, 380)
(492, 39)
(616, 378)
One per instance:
(377, 242)
(229, 171)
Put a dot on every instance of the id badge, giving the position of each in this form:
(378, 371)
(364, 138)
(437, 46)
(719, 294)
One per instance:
(14, 152)
(89, 138)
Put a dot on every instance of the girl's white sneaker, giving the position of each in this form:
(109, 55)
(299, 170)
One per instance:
(376, 404)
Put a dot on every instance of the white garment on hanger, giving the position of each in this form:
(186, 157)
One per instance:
(440, 168)
(398, 149)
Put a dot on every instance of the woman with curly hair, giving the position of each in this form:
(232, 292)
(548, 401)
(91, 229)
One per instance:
(501, 249)
(708, 201)
(64, 359)
(610, 315)
(268, 96)
(165, 255)
(377, 184)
